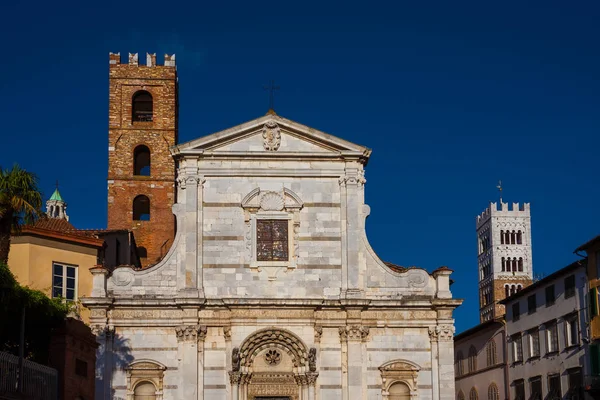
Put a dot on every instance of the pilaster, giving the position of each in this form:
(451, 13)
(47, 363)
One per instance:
(191, 371)
(353, 356)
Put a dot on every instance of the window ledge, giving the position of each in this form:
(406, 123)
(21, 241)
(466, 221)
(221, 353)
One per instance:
(552, 353)
(533, 358)
(572, 347)
(520, 362)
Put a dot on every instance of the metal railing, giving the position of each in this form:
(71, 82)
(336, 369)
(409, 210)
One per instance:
(39, 382)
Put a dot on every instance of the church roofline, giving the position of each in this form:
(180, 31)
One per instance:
(340, 146)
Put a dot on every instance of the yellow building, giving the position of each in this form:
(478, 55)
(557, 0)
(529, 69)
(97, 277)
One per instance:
(55, 258)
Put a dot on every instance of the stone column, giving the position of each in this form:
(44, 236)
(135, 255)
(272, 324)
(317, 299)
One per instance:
(344, 235)
(353, 336)
(227, 336)
(190, 185)
(446, 360)
(235, 379)
(435, 384)
(201, 337)
(312, 381)
(353, 181)
(187, 336)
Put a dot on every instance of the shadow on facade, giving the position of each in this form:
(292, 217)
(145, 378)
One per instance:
(114, 354)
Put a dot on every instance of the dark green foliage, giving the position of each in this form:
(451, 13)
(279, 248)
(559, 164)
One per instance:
(20, 202)
(42, 315)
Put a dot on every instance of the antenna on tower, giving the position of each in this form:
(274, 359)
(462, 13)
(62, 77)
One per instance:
(500, 190)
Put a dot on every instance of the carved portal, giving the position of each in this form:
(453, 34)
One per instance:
(274, 363)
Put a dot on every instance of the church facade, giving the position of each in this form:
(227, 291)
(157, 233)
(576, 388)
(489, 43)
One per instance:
(270, 288)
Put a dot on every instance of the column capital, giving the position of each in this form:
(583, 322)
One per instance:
(441, 333)
(191, 333)
(318, 333)
(103, 331)
(353, 332)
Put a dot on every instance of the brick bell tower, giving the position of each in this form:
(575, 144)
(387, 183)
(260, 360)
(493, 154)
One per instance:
(142, 126)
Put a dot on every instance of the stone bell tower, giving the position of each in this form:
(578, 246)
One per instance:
(504, 255)
(142, 126)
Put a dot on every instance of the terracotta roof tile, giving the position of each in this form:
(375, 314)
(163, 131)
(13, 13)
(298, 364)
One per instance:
(54, 224)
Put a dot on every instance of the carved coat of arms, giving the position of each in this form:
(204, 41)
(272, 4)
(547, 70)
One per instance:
(271, 135)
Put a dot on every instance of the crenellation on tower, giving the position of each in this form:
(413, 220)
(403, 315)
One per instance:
(504, 254)
(133, 60)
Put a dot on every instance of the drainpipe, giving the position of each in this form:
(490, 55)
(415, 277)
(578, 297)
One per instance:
(506, 381)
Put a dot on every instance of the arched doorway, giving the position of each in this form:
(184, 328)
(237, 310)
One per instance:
(273, 364)
(399, 380)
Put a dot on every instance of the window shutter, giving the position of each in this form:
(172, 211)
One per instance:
(595, 359)
(594, 301)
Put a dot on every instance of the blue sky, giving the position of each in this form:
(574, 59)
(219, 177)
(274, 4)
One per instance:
(451, 97)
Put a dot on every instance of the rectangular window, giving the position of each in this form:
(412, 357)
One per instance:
(569, 286)
(531, 304)
(81, 368)
(550, 297)
(516, 311)
(534, 343)
(519, 389)
(575, 383)
(551, 337)
(572, 330)
(535, 387)
(517, 348)
(554, 390)
(64, 281)
(271, 240)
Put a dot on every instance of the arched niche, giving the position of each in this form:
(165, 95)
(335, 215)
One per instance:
(395, 376)
(145, 371)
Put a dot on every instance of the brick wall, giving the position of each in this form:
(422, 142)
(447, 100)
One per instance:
(73, 354)
(156, 234)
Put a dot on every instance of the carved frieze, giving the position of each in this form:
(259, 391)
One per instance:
(145, 314)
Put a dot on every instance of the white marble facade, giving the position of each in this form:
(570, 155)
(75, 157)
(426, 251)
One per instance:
(330, 321)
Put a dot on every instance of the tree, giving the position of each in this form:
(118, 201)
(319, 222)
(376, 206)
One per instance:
(43, 315)
(20, 202)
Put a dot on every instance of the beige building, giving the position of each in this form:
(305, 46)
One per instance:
(480, 362)
(53, 257)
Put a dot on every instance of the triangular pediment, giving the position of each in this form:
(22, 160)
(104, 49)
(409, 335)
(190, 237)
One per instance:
(272, 136)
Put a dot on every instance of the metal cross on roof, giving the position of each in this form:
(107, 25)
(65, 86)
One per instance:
(499, 187)
(271, 88)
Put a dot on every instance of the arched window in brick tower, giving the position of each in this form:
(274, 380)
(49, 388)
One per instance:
(507, 237)
(141, 208)
(141, 107)
(503, 264)
(141, 161)
(502, 237)
(520, 237)
(513, 237)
